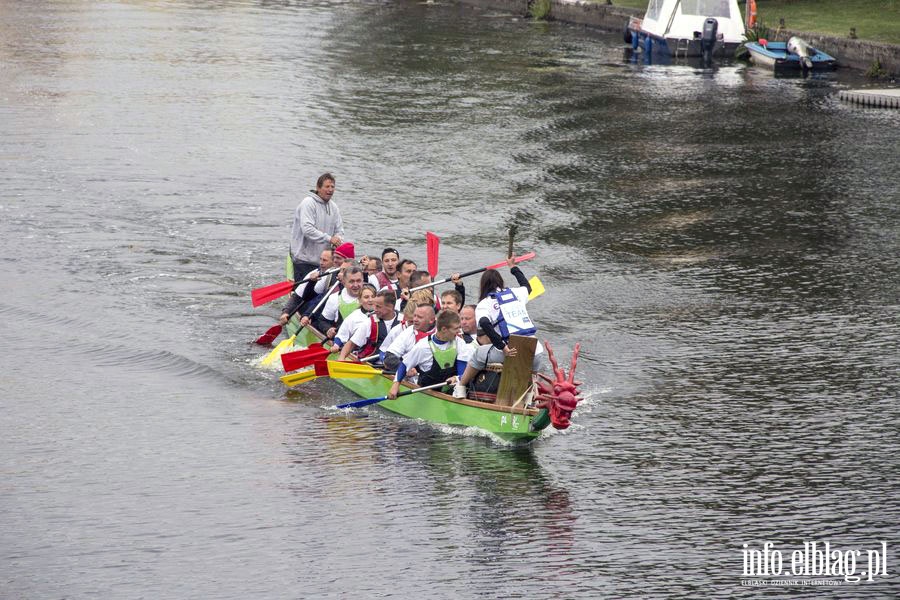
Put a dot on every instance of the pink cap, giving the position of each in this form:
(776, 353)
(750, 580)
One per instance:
(346, 250)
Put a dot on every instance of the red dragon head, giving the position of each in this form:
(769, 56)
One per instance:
(560, 395)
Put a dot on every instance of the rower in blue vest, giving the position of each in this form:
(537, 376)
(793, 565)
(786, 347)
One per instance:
(439, 357)
(501, 310)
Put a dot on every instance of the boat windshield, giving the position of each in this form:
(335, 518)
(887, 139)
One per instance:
(705, 8)
(654, 9)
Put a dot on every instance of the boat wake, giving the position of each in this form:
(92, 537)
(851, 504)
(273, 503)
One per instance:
(475, 432)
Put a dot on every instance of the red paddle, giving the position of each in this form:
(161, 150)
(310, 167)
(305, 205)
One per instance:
(268, 293)
(432, 247)
(303, 358)
(269, 336)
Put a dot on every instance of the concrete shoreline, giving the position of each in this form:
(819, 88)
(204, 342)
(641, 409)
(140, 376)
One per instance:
(856, 54)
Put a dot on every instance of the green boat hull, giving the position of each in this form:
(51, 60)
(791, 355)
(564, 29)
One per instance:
(508, 424)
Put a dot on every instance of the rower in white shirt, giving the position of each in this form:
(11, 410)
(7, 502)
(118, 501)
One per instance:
(340, 305)
(423, 325)
(358, 317)
(368, 335)
(467, 325)
(441, 356)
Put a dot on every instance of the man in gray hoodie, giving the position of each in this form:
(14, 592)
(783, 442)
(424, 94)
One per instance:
(317, 226)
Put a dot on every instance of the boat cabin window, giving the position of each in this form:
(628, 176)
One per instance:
(654, 9)
(705, 8)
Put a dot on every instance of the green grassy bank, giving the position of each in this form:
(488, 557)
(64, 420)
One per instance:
(876, 20)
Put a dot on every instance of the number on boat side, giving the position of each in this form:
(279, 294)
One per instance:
(515, 421)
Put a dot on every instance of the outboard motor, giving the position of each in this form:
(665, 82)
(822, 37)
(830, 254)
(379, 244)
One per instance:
(708, 39)
(797, 46)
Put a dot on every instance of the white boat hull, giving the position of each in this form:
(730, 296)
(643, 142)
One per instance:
(761, 59)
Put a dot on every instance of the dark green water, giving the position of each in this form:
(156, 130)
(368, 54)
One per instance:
(724, 244)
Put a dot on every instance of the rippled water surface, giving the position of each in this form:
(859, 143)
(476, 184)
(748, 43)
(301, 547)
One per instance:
(724, 243)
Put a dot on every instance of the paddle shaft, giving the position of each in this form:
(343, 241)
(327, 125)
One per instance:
(467, 273)
(318, 306)
(321, 302)
(368, 401)
(306, 279)
(325, 272)
(298, 307)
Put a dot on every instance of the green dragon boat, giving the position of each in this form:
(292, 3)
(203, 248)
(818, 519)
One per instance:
(517, 423)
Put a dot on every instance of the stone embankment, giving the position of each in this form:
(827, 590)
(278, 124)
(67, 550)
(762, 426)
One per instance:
(854, 53)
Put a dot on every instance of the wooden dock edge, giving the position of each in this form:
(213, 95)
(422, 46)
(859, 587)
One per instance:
(886, 98)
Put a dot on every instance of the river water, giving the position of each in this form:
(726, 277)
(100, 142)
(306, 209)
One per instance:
(723, 242)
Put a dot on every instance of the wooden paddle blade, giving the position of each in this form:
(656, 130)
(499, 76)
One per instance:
(266, 294)
(269, 336)
(432, 248)
(537, 288)
(280, 349)
(302, 358)
(516, 376)
(524, 257)
(298, 378)
(340, 369)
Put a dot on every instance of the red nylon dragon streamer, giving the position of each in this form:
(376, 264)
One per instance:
(559, 396)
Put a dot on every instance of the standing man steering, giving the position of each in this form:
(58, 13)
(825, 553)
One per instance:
(317, 226)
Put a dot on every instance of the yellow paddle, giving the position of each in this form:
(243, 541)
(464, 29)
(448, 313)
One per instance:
(537, 288)
(280, 349)
(348, 369)
(320, 369)
(298, 377)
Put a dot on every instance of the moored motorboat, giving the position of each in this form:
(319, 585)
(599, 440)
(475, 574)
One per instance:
(794, 54)
(676, 28)
(520, 421)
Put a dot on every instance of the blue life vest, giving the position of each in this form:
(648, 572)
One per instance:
(514, 319)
